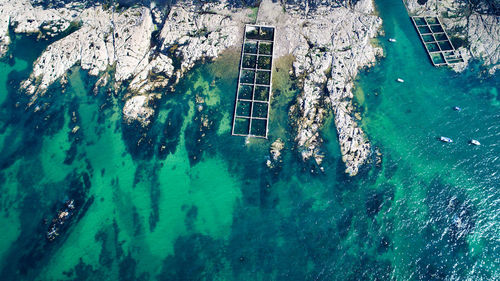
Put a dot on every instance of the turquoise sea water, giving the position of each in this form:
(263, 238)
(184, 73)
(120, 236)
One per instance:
(181, 201)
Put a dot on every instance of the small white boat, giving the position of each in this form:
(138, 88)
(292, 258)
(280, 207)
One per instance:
(445, 139)
(456, 108)
(400, 80)
(475, 142)
(392, 40)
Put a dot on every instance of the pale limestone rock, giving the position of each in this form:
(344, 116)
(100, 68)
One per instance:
(137, 108)
(104, 39)
(196, 35)
(143, 82)
(107, 39)
(484, 37)
(28, 19)
(132, 41)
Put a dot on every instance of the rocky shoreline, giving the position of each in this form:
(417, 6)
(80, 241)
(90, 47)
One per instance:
(122, 40)
(330, 44)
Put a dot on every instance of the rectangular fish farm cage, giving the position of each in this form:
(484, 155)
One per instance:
(251, 108)
(436, 42)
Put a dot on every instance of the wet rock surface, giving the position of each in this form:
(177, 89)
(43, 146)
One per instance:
(275, 152)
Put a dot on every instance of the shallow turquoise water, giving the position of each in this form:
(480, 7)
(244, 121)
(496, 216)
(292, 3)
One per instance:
(193, 203)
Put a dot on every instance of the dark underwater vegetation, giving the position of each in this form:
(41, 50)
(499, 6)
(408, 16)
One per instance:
(184, 200)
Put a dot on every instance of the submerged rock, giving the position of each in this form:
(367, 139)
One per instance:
(104, 39)
(276, 148)
(275, 152)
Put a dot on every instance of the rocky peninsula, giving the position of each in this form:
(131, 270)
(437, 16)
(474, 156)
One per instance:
(330, 44)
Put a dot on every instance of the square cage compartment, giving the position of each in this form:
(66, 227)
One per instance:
(263, 77)
(424, 29)
(437, 28)
(419, 20)
(245, 92)
(241, 126)
(266, 33)
(265, 48)
(259, 127)
(428, 38)
(243, 108)
(252, 32)
(250, 47)
(433, 47)
(260, 109)
(445, 46)
(264, 62)
(247, 76)
(440, 36)
(438, 58)
(261, 93)
(249, 61)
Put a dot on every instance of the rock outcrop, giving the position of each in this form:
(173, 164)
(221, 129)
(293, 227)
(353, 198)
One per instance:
(201, 34)
(123, 41)
(104, 39)
(26, 18)
(330, 45)
(154, 76)
(478, 27)
(137, 108)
